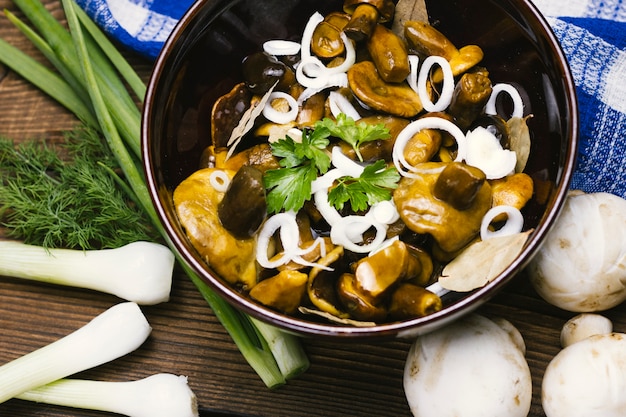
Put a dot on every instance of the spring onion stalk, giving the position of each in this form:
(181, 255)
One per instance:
(140, 271)
(159, 395)
(257, 352)
(290, 356)
(47, 81)
(114, 333)
(119, 102)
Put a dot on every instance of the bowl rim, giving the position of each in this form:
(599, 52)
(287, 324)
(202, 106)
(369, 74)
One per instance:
(404, 328)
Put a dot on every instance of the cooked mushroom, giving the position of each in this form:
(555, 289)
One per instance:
(365, 14)
(322, 285)
(513, 190)
(196, 201)
(471, 93)
(243, 207)
(423, 146)
(357, 304)
(459, 185)
(227, 112)
(409, 301)
(468, 57)
(389, 54)
(261, 71)
(326, 41)
(395, 99)
(425, 40)
(423, 212)
(282, 292)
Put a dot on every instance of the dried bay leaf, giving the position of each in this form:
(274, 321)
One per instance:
(407, 10)
(335, 319)
(247, 122)
(481, 262)
(520, 140)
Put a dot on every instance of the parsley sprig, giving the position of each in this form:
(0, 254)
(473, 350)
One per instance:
(347, 129)
(372, 186)
(302, 162)
(289, 187)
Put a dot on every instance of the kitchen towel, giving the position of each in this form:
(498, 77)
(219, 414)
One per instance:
(592, 34)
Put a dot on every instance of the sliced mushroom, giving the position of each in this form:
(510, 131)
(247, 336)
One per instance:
(312, 110)
(395, 99)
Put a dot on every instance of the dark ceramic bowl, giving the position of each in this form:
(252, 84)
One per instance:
(201, 61)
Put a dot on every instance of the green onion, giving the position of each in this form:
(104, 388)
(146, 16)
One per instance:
(159, 395)
(120, 125)
(139, 272)
(118, 331)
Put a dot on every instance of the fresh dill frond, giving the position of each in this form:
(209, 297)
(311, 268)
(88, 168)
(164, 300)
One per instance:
(67, 196)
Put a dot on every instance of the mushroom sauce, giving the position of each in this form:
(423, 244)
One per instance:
(347, 170)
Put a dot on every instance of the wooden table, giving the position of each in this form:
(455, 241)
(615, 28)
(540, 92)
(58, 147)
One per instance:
(345, 379)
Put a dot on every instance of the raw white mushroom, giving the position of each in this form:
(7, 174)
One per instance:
(472, 367)
(581, 267)
(584, 325)
(587, 379)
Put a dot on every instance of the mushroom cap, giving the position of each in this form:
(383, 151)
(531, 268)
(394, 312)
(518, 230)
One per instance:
(582, 265)
(587, 379)
(473, 367)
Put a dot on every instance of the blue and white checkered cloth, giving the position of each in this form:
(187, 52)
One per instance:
(592, 34)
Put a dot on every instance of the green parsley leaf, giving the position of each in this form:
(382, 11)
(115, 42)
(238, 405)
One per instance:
(289, 187)
(352, 132)
(372, 186)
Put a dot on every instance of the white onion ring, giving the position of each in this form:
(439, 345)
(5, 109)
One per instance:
(340, 233)
(289, 233)
(518, 103)
(403, 167)
(345, 165)
(447, 88)
(513, 225)
(307, 35)
(411, 79)
(311, 72)
(219, 180)
(340, 104)
(280, 117)
(281, 47)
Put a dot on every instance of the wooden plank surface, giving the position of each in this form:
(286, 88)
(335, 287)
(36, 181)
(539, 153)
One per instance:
(345, 379)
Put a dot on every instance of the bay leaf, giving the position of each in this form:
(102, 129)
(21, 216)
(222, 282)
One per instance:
(519, 140)
(407, 10)
(482, 262)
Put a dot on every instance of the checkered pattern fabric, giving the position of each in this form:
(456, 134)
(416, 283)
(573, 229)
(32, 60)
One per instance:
(592, 34)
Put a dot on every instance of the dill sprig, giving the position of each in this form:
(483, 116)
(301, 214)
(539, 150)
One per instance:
(74, 201)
